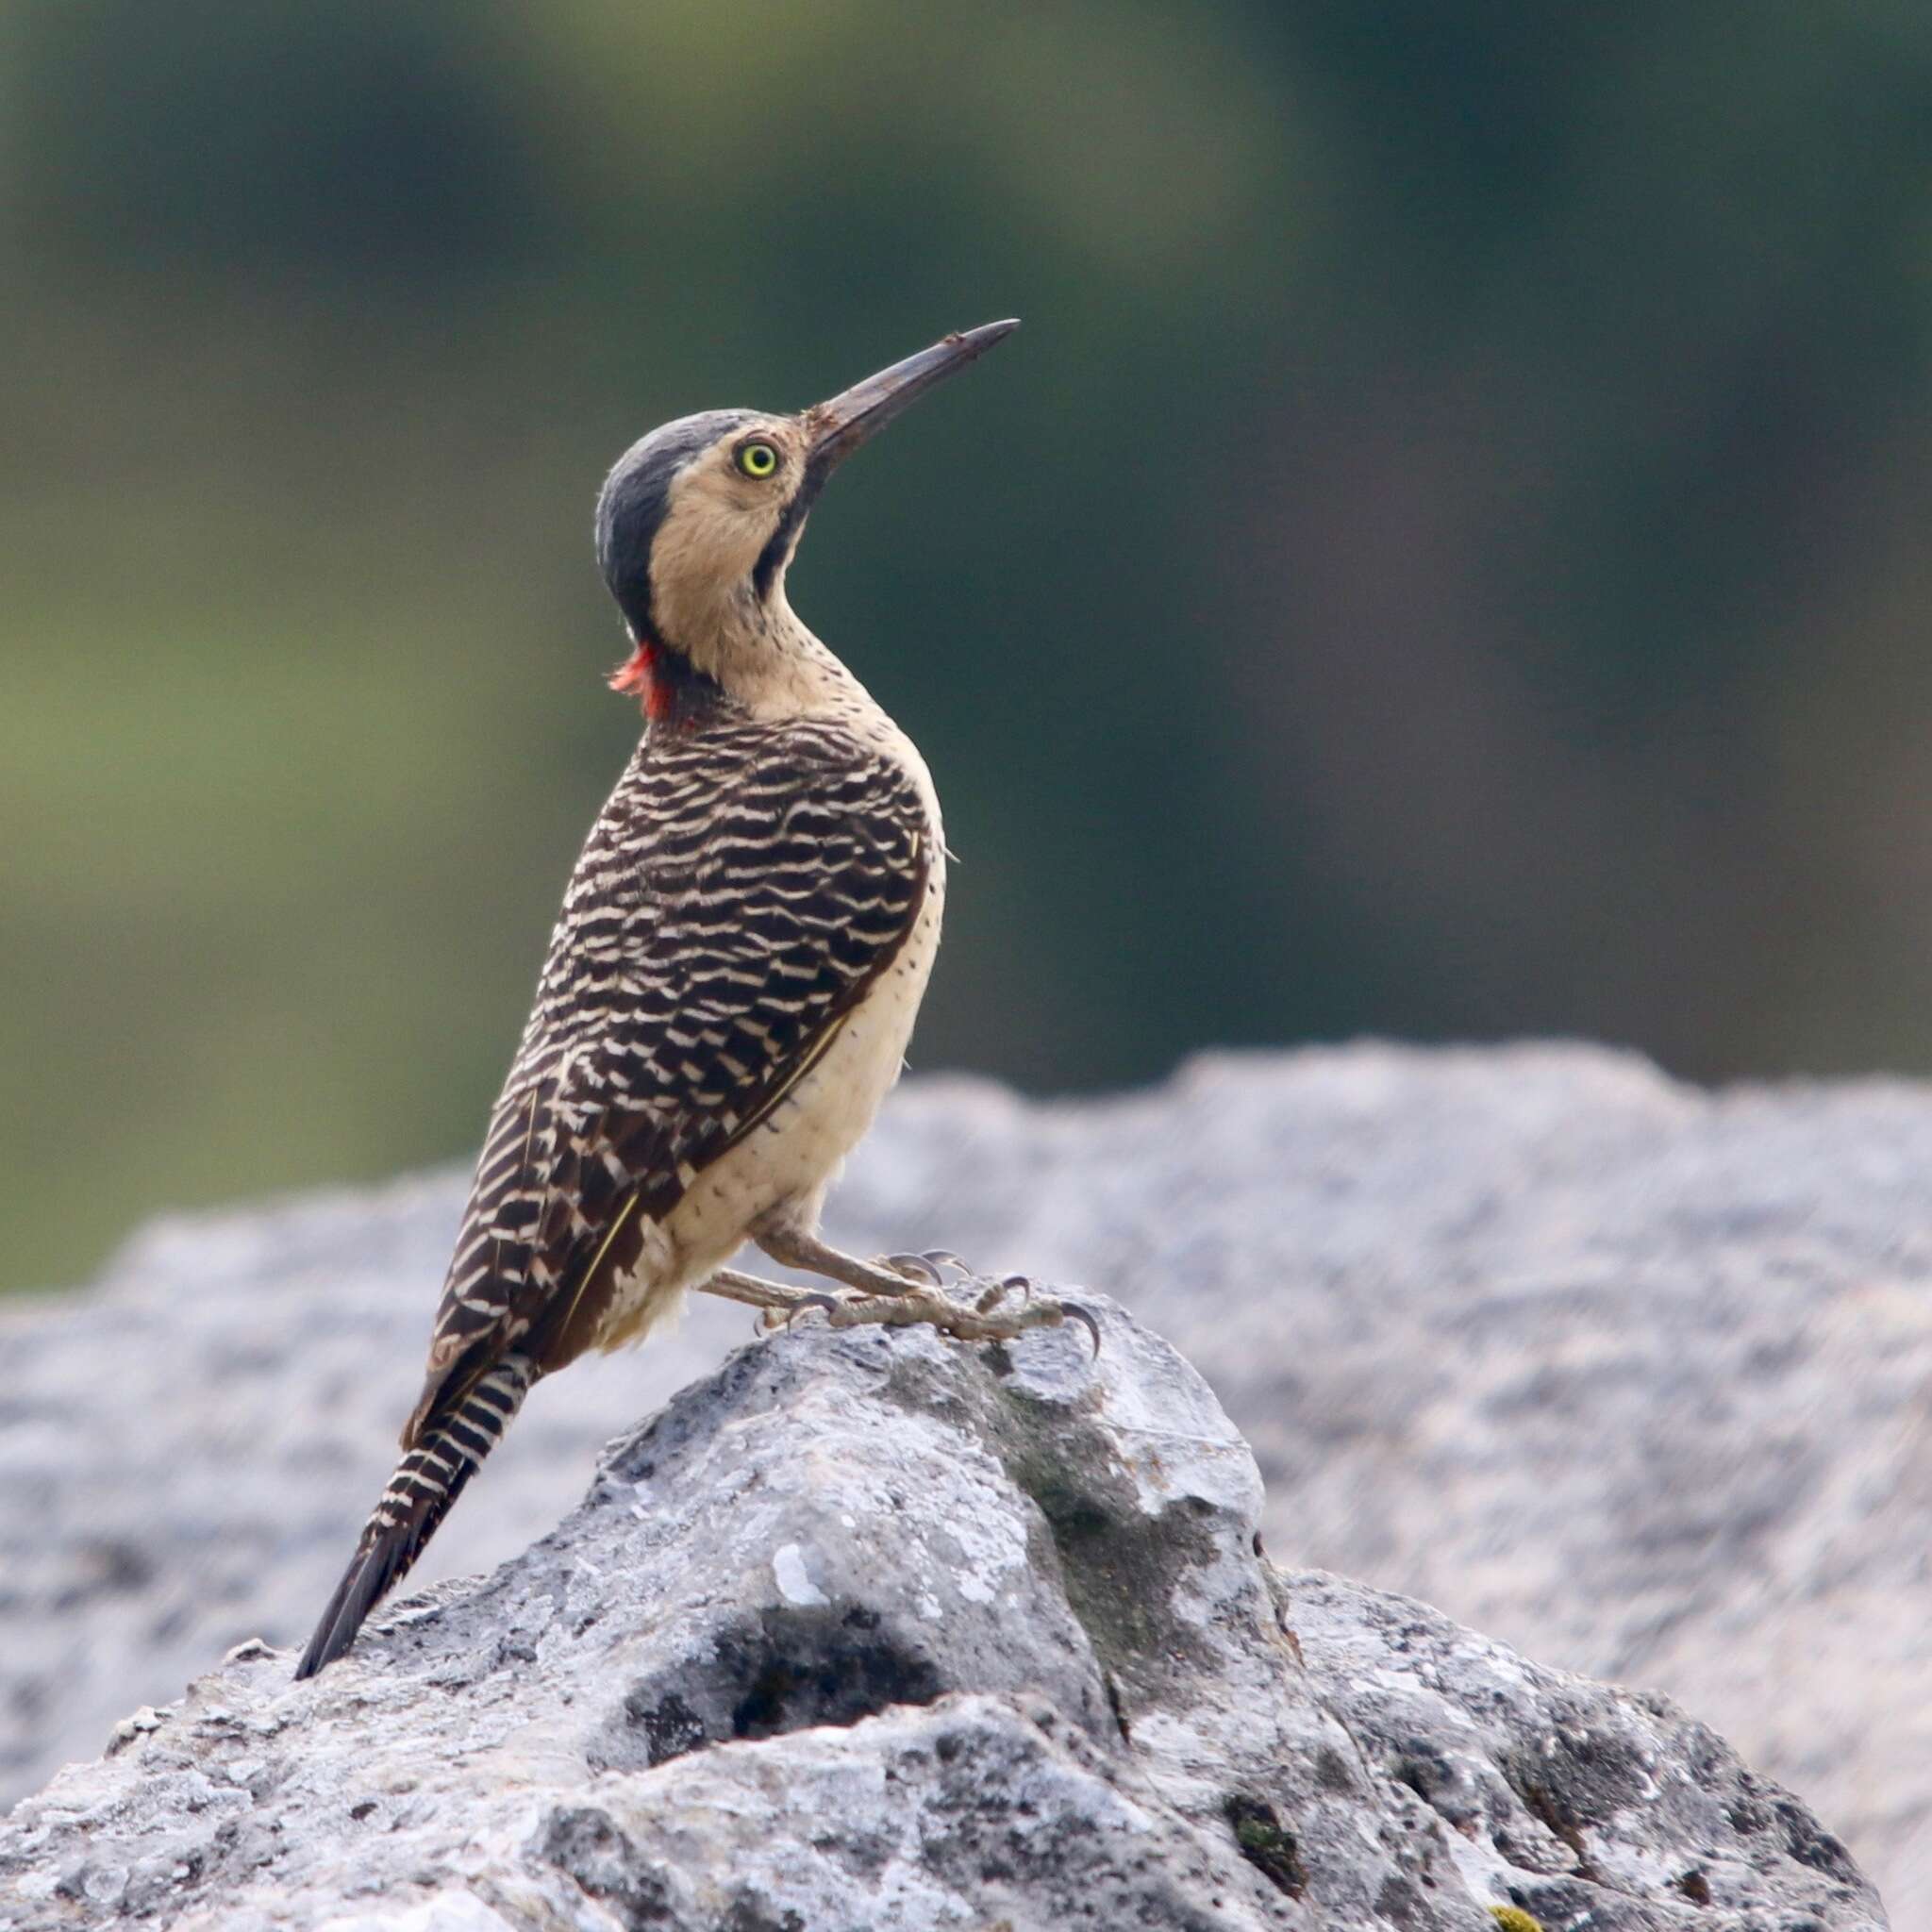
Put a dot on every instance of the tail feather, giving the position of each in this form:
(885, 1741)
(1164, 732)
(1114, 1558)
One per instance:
(427, 1480)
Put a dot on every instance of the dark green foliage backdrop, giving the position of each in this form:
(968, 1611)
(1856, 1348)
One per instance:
(1447, 556)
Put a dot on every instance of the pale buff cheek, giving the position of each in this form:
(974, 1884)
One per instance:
(714, 529)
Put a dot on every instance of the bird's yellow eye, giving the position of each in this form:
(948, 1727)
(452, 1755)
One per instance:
(758, 459)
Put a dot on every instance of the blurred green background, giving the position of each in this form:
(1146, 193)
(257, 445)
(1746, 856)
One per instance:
(1447, 556)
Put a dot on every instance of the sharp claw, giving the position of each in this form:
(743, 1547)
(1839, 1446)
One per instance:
(1086, 1315)
(914, 1267)
(944, 1257)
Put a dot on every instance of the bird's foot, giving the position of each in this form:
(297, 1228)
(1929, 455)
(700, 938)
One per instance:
(992, 1293)
(908, 1306)
(929, 1269)
(965, 1321)
(898, 1291)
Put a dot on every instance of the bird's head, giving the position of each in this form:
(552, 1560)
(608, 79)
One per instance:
(697, 522)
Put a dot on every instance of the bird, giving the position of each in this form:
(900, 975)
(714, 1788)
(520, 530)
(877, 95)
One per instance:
(730, 986)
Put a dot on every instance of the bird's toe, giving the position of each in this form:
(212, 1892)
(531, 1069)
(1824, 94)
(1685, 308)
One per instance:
(995, 1292)
(920, 1268)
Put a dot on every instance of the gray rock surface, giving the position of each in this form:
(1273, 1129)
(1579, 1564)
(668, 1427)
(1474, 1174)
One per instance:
(1632, 1376)
(871, 1630)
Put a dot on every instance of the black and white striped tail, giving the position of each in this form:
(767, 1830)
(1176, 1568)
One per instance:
(427, 1480)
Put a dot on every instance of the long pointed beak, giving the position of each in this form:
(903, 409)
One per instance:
(850, 418)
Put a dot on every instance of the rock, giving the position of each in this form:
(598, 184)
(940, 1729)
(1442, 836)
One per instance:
(1631, 1376)
(869, 1629)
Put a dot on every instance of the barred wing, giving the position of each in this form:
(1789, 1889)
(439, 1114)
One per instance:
(740, 892)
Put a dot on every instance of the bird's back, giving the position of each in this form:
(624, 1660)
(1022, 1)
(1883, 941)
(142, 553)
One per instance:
(746, 888)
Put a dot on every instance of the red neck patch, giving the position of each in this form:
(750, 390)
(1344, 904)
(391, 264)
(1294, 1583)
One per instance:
(637, 677)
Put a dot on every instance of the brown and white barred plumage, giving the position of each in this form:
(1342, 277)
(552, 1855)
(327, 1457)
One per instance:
(733, 978)
(740, 892)
(742, 889)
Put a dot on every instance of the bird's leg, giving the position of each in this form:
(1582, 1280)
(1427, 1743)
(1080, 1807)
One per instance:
(780, 1303)
(896, 1299)
(951, 1318)
(811, 1256)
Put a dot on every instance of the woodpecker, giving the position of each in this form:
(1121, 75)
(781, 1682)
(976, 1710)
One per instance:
(729, 988)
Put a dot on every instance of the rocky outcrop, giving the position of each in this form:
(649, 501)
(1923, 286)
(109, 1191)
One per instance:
(1631, 1376)
(869, 1629)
